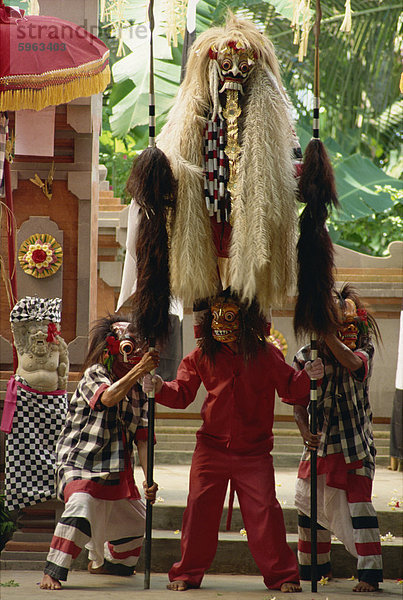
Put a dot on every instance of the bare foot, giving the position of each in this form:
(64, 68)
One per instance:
(290, 587)
(102, 570)
(364, 586)
(48, 583)
(178, 586)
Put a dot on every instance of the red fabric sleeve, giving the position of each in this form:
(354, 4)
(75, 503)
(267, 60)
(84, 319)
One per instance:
(182, 391)
(292, 386)
(94, 404)
(142, 434)
(357, 373)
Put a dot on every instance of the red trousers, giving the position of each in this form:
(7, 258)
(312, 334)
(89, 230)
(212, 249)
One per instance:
(253, 480)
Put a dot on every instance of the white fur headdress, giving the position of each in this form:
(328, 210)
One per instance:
(263, 237)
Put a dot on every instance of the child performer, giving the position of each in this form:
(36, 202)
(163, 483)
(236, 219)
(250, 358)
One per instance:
(346, 451)
(241, 372)
(106, 418)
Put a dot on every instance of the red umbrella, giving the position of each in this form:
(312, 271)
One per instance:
(44, 61)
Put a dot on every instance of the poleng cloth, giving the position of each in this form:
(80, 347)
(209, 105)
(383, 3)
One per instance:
(30, 447)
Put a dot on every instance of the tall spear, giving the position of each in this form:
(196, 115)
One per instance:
(153, 187)
(315, 307)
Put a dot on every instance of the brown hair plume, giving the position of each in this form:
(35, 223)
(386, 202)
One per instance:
(153, 187)
(252, 329)
(315, 308)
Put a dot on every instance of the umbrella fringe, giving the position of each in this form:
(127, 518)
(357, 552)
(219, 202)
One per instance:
(59, 93)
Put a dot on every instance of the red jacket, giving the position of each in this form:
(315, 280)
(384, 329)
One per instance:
(239, 407)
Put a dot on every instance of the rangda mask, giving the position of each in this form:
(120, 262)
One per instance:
(226, 322)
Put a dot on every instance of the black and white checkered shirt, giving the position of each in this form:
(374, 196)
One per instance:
(90, 445)
(343, 409)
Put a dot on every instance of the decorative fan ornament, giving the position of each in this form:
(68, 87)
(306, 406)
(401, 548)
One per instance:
(40, 255)
(277, 338)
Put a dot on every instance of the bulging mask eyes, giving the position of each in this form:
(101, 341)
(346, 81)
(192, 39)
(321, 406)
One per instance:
(126, 347)
(226, 64)
(230, 316)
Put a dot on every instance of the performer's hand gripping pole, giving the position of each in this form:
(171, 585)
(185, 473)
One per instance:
(313, 429)
(150, 482)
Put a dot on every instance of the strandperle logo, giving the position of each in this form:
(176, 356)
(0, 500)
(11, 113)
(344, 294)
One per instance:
(41, 35)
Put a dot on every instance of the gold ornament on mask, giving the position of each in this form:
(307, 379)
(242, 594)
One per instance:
(235, 64)
(231, 113)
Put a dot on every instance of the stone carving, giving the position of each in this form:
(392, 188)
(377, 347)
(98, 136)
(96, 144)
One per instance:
(43, 364)
(36, 401)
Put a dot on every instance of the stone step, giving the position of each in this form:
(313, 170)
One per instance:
(17, 564)
(280, 459)
(286, 429)
(106, 193)
(111, 207)
(31, 536)
(169, 517)
(232, 556)
(29, 547)
(280, 444)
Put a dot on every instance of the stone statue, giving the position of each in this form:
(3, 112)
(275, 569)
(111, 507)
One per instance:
(35, 405)
(42, 363)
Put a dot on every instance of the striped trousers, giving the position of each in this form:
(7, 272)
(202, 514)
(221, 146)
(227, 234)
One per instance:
(359, 532)
(111, 530)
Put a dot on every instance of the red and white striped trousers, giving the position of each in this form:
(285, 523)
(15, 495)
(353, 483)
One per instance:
(109, 529)
(361, 533)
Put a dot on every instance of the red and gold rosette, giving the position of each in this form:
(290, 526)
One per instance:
(40, 255)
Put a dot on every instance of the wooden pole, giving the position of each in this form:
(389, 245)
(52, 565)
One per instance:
(314, 347)
(314, 474)
(150, 482)
(151, 395)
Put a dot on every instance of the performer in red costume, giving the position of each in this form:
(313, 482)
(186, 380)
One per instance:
(241, 372)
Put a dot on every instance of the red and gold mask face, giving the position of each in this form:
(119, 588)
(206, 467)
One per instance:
(348, 332)
(226, 322)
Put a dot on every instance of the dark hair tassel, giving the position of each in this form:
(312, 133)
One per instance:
(153, 187)
(315, 307)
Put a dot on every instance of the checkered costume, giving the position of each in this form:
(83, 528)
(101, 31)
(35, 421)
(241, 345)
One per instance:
(346, 466)
(344, 412)
(91, 445)
(30, 446)
(104, 511)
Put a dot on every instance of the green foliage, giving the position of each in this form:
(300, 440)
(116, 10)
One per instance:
(7, 525)
(117, 156)
(10, 583)
(372, 234)
(361, 110)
